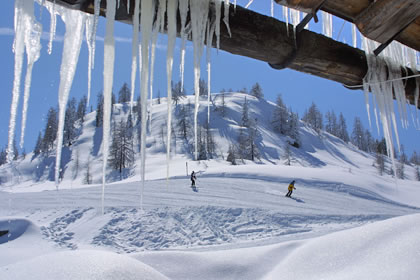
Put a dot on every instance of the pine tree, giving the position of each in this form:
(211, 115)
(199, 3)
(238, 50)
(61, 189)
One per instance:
(245, 114)
(380, 163)
(15, 150)
(3, 157)
(202, 84)
(358, 135)
(183, 123)
(293, 130)
(88, 174)
(177, 92)
(99, 110)
(222, 107)
(331, 123)
(415, 160)
(313, 117)
(253, 135)
(280, 116)
(158, 97)
(342, 129)
(38, 145)
(69, 122)
(121, 151)
(210, 143)
(257, 91)
(231, 157)
(401, 164)
(81, 109)
(50, 132)
(124, 95)
(287, 153)
(417, 173)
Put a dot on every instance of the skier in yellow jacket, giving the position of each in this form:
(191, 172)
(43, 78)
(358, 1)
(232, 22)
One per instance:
(291, 188)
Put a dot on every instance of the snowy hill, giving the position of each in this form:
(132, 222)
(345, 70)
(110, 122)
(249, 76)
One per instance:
(344, 220)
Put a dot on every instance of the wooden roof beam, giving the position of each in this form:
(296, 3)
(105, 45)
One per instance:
(267, 39)
(384, 20)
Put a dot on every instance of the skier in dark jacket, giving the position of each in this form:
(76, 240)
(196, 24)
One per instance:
(193, 178)
(291, 188)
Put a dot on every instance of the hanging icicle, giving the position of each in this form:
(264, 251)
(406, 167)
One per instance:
(183, 11)
(75, 23)
(171, 13)
(134, 51)
(53, 25)
(33, 50)
(327, 27)
(109, 59)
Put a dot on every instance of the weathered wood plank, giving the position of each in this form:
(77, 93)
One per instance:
(266, 39)
(306, 6)
(349, 10)
(384, 19)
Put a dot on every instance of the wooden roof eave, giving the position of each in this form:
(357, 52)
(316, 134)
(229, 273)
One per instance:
(267, 39)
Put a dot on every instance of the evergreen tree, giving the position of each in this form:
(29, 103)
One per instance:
(81, 109)
(183, 122)
(287, 153)
(231, 157)
(15, 150)
(38, 145)
(203, 87)
(121, 151)
(313, 117)
(358, 135)
(50, 132)
(257, 91)
(415, 160)
(3, 157)
(381, 146)
(124, 95)
(342, 129)
(222, 107)
(210, 143)
(177, 92)
(280, 116)
(243, 90)
(331, 125)
(417, 173)
(88, 173)
(253, 135)
(401, 164)
(245, 114)
(380, 163)
(69, 122)
(158, 97)
(99, 110)
(293, 130)
(369, 142)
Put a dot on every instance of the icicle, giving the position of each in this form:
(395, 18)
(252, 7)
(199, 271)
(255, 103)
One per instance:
(171, 13)
(24, 11)
(183, 11)
(249, 4)
(354, 35)
(109, 59)
(90, 41)
(295, 18)
(272, 8)
(366, 92)
(327, 28)
(33, 49)
(286, 18)
(128, 7)
(75, 22)
(53, 25)
(134, 51)
(226, 16)
(146, 23)
(209, 35)
(199, 18)
(218, 7)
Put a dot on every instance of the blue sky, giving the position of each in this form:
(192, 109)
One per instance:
(298, 90)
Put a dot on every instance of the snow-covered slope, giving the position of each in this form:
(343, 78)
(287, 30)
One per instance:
(236, 225)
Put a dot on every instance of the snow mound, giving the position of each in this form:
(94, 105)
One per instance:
(383, 250)
(14, 228)
(80, 265)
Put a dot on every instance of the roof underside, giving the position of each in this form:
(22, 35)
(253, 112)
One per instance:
(268, 39)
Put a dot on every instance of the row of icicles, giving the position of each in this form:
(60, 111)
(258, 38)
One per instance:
(205, 20)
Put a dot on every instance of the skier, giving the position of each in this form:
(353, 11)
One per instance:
(193, 178)
(291, 188)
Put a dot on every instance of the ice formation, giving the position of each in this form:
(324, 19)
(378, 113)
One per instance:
(327, 26)
(75, 23)
(24, 15)
(134, 51)
(90, 41)
(53, 25)
(33, 48)
(109, 58)
(183, 11)
(354, 35)
(171, 14)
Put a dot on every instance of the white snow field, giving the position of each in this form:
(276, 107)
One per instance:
(344, 221)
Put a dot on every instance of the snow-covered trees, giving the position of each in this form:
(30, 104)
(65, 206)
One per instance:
(342, 129)
(358, 135)
(286, 122)
(313, 117)
(38, 145)
(50, 132)
(248, 136)
(81, 109)
(257, 91)
(183, 121)
(99, 110)
(380, 162)
(245, 114)
(121, 154)
(69, 122)
(124, 94)
(203, 87)
(178, 92)
(331, 125)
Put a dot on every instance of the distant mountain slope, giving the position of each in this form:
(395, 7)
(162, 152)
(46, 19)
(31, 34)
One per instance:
(317, 150)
